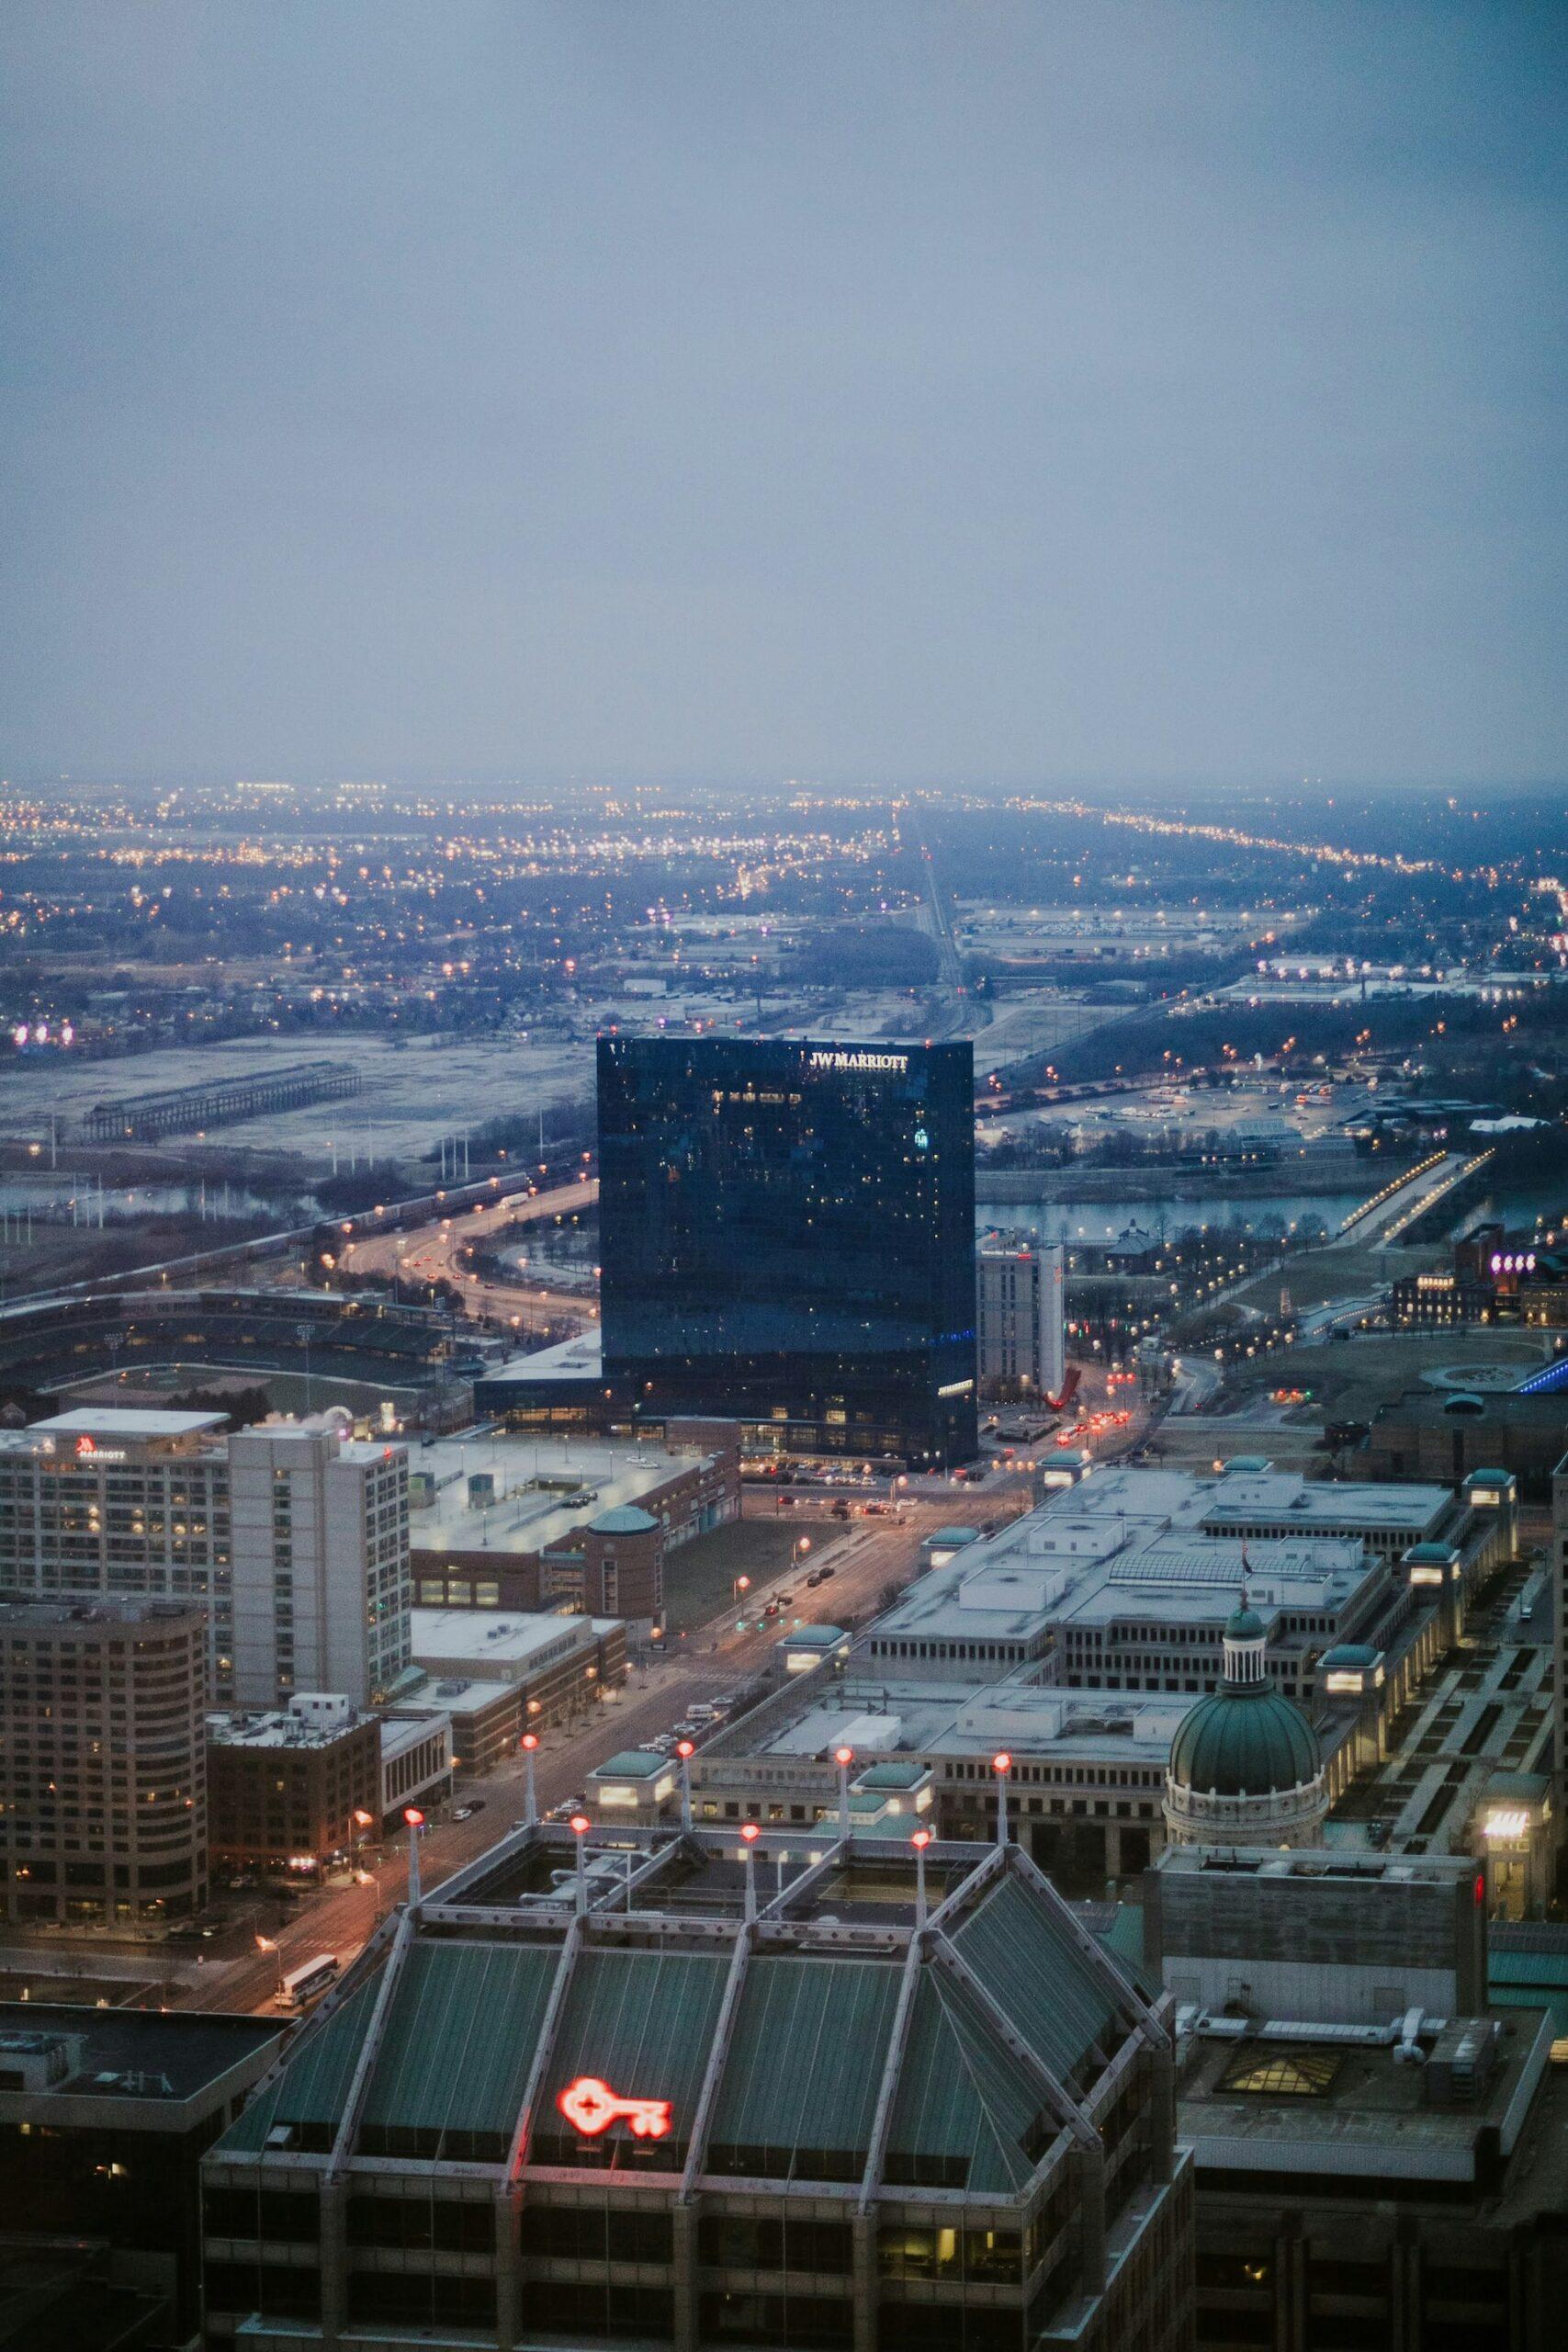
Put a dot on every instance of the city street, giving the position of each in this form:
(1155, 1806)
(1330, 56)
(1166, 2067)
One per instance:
(866, 1555)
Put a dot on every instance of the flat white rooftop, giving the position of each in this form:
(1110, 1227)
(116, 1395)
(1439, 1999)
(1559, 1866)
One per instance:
(541, 1489)
(580, 1357)
(122, 1420)
(1324, 1503)
(452, 1695)
(1127, 1544)
(494, 1639)
(276, 1730)
(937, 1720)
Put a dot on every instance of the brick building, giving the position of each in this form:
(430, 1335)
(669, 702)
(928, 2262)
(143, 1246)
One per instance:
(501, 1523)
(284, 1788)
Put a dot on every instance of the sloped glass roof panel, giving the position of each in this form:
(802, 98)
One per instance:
(643, 2023)
(1053, 1994)
(312, 2090)
(805, 2066)
(963, 2118)
(460, 2038)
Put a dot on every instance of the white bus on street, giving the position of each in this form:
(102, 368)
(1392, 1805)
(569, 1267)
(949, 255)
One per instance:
(302, 1984)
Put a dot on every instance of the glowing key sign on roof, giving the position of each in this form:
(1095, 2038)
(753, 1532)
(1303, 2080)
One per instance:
(591, 2107)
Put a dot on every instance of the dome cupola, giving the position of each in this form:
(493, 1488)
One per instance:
(1246, 1768)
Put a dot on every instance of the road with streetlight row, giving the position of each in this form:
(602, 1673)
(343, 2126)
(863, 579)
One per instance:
(866, 1555)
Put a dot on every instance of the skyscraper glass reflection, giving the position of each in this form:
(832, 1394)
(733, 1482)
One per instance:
(787, 1239)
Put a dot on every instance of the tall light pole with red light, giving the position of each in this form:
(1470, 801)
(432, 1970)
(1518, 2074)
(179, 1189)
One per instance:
(415, 1823)
(580, 1825)
(529, 1743)
(1002, 1765)
(750, 1833)
(685, 1749)
(920, 1840)
(843, 1757)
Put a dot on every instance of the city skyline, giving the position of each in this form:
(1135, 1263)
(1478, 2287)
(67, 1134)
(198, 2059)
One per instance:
(783, 1208)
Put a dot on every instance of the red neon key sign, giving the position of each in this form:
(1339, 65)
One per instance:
(591, 2107)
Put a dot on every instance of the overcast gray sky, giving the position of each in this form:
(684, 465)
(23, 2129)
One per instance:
(904, 391)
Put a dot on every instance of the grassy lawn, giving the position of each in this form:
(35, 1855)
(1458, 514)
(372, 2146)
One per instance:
(1348, 1382)
(699, 1577)
(1343, 1271)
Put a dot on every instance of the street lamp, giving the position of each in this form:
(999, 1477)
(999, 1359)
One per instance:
(359, 1822)
(529, 1744)
(685, 1749)
(579, 1826)
(749, 1834)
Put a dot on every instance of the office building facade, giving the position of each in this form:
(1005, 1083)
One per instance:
(285, 1787)
(103, 1774)
(105, 2114)
(787, 1239)
(1380, 2155)
(321, 1580)
(681, 2113)
(292, 1538)
(1020, 1295)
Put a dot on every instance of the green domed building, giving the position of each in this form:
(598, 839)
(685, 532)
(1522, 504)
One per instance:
(1246, 1768)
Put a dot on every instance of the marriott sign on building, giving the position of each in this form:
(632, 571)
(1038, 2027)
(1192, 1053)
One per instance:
(787, 1237)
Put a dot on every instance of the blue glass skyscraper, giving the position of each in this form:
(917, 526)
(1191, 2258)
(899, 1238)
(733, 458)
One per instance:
(787, 1239)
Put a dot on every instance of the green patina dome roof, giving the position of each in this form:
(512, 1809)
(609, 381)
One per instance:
(1244, 1742)
(1245, 1625)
